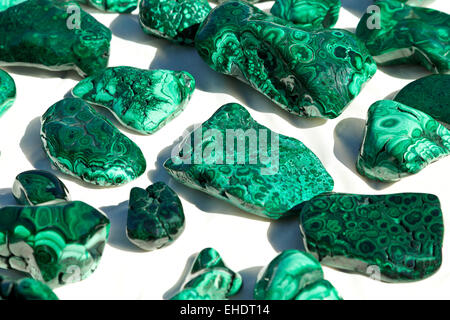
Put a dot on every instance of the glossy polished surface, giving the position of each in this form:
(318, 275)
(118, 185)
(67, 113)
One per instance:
(121, 6)
(7, 92)
(25, 289)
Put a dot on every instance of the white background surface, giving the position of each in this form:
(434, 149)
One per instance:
(245, 242)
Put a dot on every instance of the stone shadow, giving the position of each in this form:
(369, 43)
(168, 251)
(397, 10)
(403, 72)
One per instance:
(284, 234)
(6, 197)
(249, 276)
(356, 7)
(177, 286)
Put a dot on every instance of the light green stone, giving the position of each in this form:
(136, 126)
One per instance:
(7, 91)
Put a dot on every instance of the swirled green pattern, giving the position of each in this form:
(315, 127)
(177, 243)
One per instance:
(25, 289)
(7, 91)
(121, 6)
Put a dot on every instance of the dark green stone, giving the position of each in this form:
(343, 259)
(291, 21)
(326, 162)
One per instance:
(392, 238)
(56, 244)
(5, 4)
(236, 159)
(312, 74)
(407, 34)
(142, 100)
(210, 279)
(7, 91)
(400, 141)
(121, 6)
(176, 20)
(25, 289)
(39, 187)
(309, 15)
(84, 144)
(155, 216)
(37, 33)
(319, 290)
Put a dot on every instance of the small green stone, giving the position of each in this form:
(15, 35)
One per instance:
(320, 290)
(210, 279)
(36, 187)
(25, 289)
(120, 6)
(407, 34)
(7, 91)
(176, 20)
(400, 141)
(45, 34)
(56, 244)
(142, 100)
(82, 143)
(392, 238)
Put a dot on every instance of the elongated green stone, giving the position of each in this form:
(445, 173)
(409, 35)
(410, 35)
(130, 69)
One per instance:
(393, 238)
(319, 290)
(236, 159)
(309, 15)
(55, 35)
(311, 74)
(82, 143)
(176, 20)
(56, 244)
(7, 91)
(25, 289)
(400, 141)
(142, 100)
(399, 33)
(210, 279)
(121, 6)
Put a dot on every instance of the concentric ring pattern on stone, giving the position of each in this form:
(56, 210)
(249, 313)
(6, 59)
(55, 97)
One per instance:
(7, 91)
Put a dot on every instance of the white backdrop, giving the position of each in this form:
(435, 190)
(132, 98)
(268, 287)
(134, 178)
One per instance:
(246, 242)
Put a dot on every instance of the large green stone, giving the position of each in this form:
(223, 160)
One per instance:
(7, 91)
(121, 6)
(25, 289)
(393, 238)
(36, 187)
(142, 100)
(210, 279)
(176, 20)
(82, 143)
(400, 141)
(155, 216)
(312, 74)
(44, 33)
(56, 244)
(407, 34)
(267, 176)
(309, 15)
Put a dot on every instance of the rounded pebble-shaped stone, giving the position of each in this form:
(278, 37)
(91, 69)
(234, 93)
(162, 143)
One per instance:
(7, 91)
(25, 289)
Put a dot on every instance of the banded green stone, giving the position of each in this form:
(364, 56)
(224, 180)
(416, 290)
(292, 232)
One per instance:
(142, 100)
(400, 141)
(82, 143)
(120, 6)
(25, 289)
(319, 290)
(392, 238)
(7, 91)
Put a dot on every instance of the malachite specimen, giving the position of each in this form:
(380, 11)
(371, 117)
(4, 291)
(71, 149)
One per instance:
(155, 216)
(176, 20)
(309, 15)
(25, 289)
(82, 143)
(121, 6)
(234, 158)
(430, 94)
(55, 35)
(319, 290)
(7, 91)
(36, 187)
(413, 2)
(400, 141)
(398, 33)
(312, 74)
(210, 279)
(142, 100)
(56, 244)
(5, 4)
(392, 238)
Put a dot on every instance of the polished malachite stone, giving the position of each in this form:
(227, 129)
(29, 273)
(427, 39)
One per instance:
(319, 290)
(430, 94)
(121, 6)
(155, 216)
(210, 279)
(176, 20)
(25, 289)
(400, 141)
(7, 91)
(309, 15)
(82, 143)
(45, 34)
(56, 244)
(5, 4)
(407, 34)
(236, 159)
(142, 100)
(312, 74)
(392, 238)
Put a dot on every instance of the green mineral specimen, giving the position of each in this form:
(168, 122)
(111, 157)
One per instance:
(176, 20)
(309, 15)
(400, 141)
(5, 4)
(312, 74)
(210, 279)
(120, 6)
(25, 289)
(7, 91)
(429, 94)
(320, 290)
(56, 244)
(399, 34)
(392, 238)
(142, 100)
(84, 144)
(55, 35)
(267, 176)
